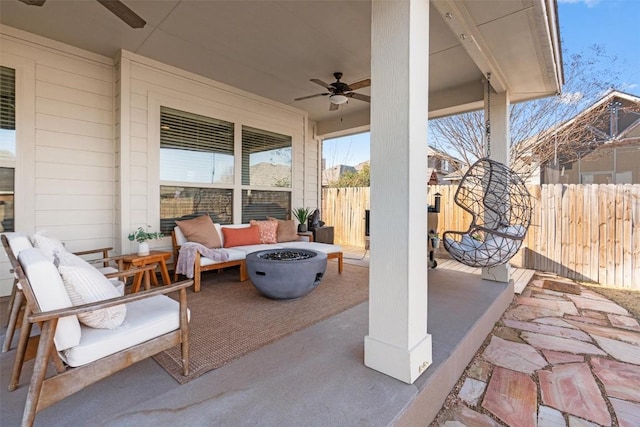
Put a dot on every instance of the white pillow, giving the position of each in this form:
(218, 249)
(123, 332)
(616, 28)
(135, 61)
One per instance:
(85, 285)
(69, 259)
(48, 245)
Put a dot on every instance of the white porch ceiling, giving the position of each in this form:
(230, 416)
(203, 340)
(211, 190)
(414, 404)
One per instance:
(273, 48)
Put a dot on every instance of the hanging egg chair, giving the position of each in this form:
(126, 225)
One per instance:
(500, 207)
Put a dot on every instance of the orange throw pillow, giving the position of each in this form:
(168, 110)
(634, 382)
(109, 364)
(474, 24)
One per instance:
(268, 231)
(241, 236)
(201, 230)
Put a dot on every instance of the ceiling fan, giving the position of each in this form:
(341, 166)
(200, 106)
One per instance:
(115, 6)
(340, 92)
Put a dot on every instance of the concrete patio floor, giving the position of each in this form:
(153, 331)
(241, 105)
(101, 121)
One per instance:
(546, 341)
(315, 377)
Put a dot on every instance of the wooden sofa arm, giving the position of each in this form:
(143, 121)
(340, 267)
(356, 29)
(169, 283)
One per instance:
(131, 272)
(69, 311)
(104, 251)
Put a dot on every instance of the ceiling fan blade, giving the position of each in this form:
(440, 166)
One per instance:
(321, 83)
(123, 12)
(333, 107)
(360, 84)
(365, 98)
(33, 2)
(311, 96)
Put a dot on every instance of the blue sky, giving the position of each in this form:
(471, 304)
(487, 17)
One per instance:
(613, 24)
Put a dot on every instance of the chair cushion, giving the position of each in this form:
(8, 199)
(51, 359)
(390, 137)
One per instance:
(241, 236)
(86, 284)
(48, 245)
(287, 230)
(201, 230)
(268, 231)
(18, 242)
(50, 293)
(146, 319)
(107, 270)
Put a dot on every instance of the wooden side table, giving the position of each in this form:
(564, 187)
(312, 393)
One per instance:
(135, 260)
(307, 234)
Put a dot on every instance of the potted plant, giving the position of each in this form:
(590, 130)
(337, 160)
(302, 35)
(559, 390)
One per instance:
(302, 214)
(435, 239)
(141, 236)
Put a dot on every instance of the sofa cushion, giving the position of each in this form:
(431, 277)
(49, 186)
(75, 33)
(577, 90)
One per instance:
(247, 249)
(287, 230)
(48, 245)
(201, 230)
(314, 246)
(85, 284)
(146, 319)
(50, 293)
(241, 236)
(234, 255)
(268, 231)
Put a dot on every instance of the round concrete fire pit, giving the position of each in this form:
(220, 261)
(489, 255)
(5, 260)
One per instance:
(286, 273)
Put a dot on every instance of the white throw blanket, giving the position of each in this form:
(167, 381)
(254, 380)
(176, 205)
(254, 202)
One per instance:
(187, 257)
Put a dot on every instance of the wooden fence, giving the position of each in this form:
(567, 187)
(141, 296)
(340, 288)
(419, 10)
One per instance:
(584, 232)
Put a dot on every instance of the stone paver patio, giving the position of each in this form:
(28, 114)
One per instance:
(554, 359)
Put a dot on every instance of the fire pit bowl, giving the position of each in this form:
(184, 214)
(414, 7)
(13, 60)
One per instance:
(286, 273)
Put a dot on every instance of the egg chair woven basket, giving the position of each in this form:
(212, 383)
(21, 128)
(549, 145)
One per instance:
(500, 206)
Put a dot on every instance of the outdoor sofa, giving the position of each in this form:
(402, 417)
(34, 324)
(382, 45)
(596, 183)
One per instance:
(237, 241)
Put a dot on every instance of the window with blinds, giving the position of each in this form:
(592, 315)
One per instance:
(180, 203)
(197, 170)
(195, 148)
(7, 147)
(266, 158)
(7, 114)
(260, 205)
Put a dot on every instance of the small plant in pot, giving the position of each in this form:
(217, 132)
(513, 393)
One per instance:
(302, 215)
(435, 239)
(141, 236)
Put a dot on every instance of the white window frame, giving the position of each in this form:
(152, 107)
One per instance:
(155, 100)
(24, 165)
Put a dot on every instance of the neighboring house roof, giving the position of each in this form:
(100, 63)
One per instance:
(606, 125)
(334, 173)
(613, 118)
(270, 175)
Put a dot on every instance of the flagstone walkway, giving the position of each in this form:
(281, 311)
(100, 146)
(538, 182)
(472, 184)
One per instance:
(564, 357)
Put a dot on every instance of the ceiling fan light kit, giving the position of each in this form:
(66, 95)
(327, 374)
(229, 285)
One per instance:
(338, 99)
(339, 92)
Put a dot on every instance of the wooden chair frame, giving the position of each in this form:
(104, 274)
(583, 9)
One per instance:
(44, 392)
(16, 300)
(27, 344)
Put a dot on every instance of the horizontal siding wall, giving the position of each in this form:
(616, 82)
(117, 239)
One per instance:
(148, 85)
(92, 150)
(72, 154)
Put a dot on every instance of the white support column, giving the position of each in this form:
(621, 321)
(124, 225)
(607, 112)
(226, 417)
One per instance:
(398, 344)
(500, 145)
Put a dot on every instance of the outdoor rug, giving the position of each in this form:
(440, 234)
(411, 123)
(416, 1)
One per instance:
(230, 318)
